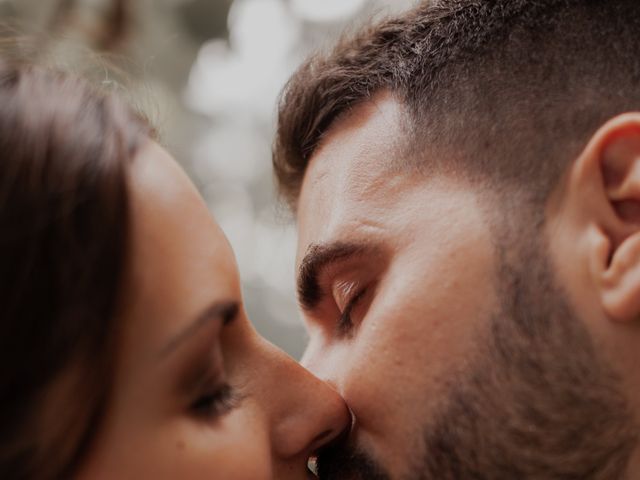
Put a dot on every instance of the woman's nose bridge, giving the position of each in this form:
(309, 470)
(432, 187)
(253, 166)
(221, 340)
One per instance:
(325, 364)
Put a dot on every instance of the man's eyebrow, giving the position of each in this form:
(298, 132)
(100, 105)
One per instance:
(224, 311)
(317, 259)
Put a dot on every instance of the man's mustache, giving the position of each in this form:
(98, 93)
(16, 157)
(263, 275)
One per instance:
(342, 461)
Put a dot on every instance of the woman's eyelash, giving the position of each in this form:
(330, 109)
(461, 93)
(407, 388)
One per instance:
(345, 325)
(217, 403)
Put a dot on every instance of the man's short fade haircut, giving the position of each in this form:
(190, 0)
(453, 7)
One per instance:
(507, 91)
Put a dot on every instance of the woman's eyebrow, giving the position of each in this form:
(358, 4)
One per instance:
(318, 258)
(222, 311)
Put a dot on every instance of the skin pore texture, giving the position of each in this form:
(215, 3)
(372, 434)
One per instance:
(198, 394)
(461, 347)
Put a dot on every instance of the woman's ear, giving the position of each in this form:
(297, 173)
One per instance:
(610, 167)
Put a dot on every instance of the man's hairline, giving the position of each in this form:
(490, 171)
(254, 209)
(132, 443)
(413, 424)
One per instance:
(411, 160)
(406, 121)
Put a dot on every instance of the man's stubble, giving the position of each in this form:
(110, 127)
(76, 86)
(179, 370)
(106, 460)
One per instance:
(539, 402)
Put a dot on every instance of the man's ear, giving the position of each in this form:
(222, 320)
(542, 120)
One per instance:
(609, 168)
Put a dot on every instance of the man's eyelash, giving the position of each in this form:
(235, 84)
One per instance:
(345, 325)
(217, 403)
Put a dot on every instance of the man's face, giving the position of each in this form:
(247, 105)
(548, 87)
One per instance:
(419, 258)
(419, 321)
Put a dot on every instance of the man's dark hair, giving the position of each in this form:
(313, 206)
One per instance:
(508, 91)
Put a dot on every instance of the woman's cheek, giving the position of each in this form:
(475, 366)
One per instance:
(232, 448)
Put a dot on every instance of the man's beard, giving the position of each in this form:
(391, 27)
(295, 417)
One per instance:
(538, 403)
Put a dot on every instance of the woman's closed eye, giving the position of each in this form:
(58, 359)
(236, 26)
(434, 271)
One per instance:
(213, 404)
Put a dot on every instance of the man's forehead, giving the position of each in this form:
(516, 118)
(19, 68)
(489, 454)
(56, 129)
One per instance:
(349, 174)
(358, 137)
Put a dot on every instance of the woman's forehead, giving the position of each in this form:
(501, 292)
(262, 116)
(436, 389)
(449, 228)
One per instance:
(179, 259)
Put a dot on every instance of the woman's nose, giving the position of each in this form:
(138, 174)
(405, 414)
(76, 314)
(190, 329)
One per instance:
(306, 413)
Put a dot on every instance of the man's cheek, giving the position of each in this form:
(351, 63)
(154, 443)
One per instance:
(378, 376)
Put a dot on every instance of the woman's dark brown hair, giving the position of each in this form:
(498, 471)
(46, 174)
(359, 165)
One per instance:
(64, 153)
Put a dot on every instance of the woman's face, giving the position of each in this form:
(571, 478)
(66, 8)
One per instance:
(197, 393)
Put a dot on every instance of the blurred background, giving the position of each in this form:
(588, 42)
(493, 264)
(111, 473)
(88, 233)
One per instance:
(208, 73)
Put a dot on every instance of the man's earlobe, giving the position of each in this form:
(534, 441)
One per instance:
(615, 150)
